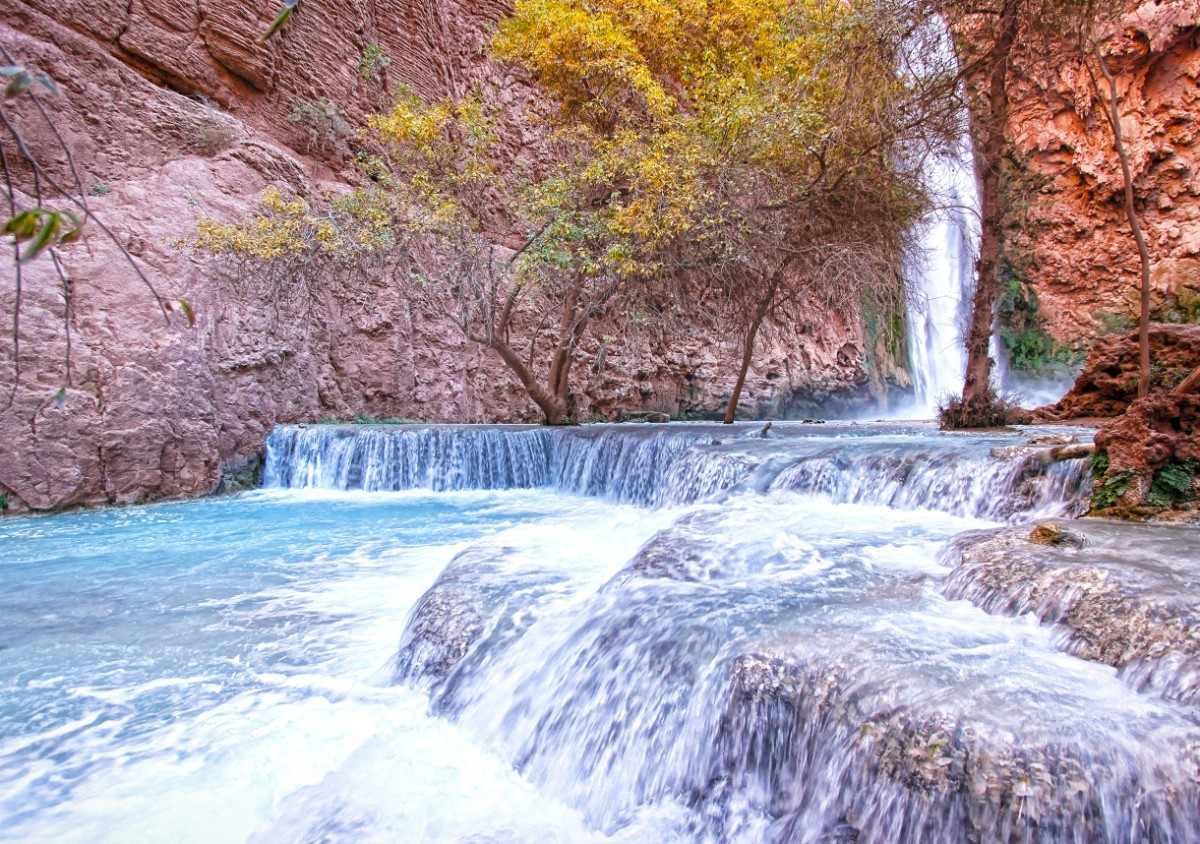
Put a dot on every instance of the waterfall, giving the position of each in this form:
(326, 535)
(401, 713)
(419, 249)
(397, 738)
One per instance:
(655, 467)
(941, 277)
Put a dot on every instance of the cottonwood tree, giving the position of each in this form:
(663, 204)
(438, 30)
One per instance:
(767, 148)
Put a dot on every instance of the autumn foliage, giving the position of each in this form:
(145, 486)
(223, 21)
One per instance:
(749, 158)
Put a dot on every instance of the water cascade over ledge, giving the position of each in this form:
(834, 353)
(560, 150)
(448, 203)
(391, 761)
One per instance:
(901, 466)
(942, 273)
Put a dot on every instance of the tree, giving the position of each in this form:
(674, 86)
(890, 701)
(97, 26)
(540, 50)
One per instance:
(1094, 61)
(773, 134)
(990, 37)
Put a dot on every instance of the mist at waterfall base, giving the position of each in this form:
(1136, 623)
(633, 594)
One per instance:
(603, 634)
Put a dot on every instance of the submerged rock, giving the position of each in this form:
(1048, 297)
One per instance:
(1052, 533)
(1128, 599)
(445, 624)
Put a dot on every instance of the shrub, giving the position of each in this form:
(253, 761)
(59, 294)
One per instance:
(1110, 322)
(996, 412)
(100, 188)
(372, 63)
(212, 136)
(1022, 331)
(321, 122)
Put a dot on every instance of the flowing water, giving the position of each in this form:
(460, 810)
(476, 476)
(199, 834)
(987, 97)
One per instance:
(643, 634)
(941, 276)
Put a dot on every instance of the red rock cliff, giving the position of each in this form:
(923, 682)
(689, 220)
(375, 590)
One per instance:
(1081, 257)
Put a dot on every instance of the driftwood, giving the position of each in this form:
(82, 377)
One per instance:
(1074, 451)
(1189, 384)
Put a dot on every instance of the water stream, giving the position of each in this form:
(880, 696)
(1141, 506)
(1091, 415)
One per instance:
(637, 634)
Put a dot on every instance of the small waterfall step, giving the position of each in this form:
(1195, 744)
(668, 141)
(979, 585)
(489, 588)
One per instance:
(1121, 594)
(800, 675)
(906, 466)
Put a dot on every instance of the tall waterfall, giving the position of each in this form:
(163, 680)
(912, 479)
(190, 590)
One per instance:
(941, 277)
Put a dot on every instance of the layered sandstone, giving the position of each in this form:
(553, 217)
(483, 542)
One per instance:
(174, 111)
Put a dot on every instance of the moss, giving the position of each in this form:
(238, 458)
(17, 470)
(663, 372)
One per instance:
(1173, 484)
(1098, 463)
(1109, 491)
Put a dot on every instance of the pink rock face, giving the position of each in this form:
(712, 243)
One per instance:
(174, 111)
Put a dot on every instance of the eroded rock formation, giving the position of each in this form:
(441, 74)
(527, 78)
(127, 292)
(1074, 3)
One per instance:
(1109, 381)
(1070, 237)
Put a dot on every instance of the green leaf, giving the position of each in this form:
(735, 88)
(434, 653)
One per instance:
(76, 228)
(19, 85)
(60, 398)
(11, 70)
(43, 239)
(288, 7)
(188, 312)
(46, 82)
(24, 225)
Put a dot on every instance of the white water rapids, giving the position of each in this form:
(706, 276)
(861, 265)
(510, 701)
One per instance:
(612, 633)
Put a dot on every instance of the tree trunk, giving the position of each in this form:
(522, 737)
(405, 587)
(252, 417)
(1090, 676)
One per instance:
(1114, 121)
(747, 357)
(550, 405)
(977, 391)
(1189, 385)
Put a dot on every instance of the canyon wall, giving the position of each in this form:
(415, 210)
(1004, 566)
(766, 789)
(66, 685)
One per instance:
(173, 111)
(1069, 236)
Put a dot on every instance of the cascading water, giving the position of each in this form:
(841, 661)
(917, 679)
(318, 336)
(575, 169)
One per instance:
(902, 466)
(941, 277)
(613, 633)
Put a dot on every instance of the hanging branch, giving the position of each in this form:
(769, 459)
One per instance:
(40, 228)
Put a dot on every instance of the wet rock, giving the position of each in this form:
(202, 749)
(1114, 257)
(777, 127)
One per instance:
(240, 476)
(445, 624)
(796, 725)
(676, 553)
(1052, 533)
(657, 418)
(1128, 599)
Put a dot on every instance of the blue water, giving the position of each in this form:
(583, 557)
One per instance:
(151, 656)
(225, 670)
